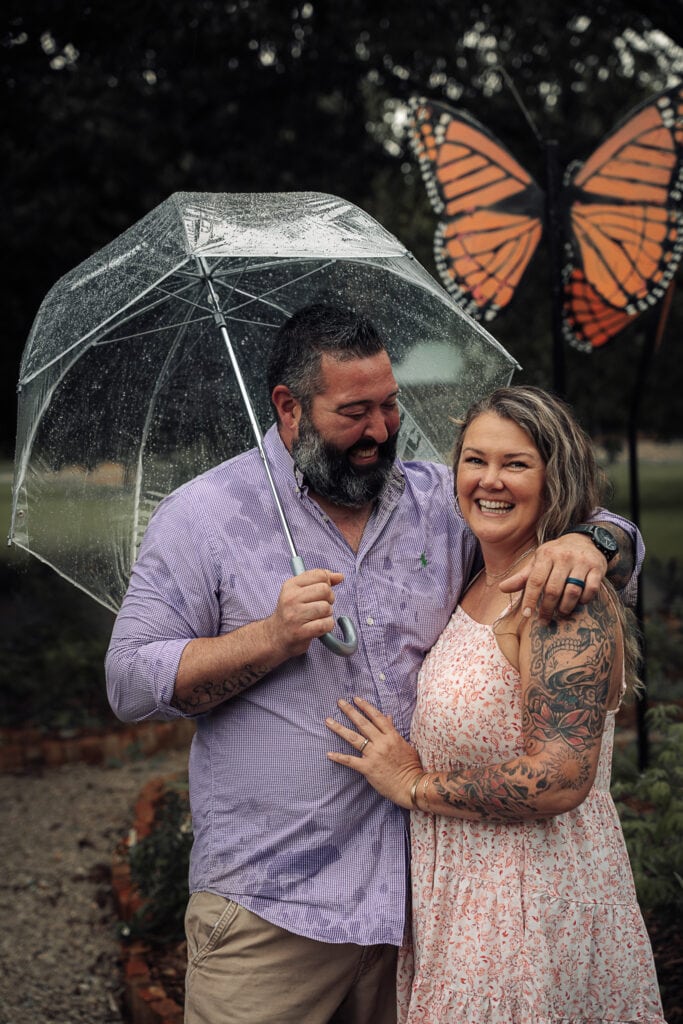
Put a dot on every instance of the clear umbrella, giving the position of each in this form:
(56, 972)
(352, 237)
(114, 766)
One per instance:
(146, 363)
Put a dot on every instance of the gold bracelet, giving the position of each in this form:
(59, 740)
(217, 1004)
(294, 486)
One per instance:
(413, 789)
(427, 779)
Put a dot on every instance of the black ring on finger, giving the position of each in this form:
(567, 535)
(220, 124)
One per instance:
(577, 583)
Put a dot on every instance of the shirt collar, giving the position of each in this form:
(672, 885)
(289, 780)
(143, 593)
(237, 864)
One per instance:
(279, 458)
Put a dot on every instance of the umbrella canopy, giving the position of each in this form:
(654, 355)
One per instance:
(127, 390)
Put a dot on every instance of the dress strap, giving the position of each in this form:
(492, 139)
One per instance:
(471, 582)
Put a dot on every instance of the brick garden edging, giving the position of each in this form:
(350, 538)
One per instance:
(26, 749)
(146, 1000)
(22, 749)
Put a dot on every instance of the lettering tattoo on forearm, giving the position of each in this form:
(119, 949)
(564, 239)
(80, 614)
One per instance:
(212, 692)
(566, 699)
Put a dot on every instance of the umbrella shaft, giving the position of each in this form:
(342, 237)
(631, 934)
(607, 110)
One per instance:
(255, 426)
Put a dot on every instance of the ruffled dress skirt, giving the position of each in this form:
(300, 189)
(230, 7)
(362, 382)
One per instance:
(525, 923)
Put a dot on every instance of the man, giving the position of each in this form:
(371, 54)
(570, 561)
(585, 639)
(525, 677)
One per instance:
(298, 874)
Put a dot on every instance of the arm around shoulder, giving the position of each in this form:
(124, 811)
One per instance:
(624, 568)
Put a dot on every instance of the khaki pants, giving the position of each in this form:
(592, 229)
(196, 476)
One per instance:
(243, 970)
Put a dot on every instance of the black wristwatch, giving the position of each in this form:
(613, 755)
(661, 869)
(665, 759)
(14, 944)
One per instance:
(602, 538)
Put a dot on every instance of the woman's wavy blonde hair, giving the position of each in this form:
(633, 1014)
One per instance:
(575, 485)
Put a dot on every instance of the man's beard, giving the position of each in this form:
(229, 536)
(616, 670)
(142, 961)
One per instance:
(329, 472)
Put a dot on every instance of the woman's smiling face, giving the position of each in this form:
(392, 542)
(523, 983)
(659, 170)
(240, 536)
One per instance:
(500, 481)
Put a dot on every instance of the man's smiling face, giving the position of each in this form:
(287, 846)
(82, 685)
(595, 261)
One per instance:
(346, 446)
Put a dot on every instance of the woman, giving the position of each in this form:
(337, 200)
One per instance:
(524, 910)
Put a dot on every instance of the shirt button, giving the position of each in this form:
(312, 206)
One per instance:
(370, 621)
(382, 676)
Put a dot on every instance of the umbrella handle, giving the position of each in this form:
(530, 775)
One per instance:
(345, 647)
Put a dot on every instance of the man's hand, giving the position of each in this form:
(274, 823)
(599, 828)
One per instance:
(303, 611)
(545, 579)
(218, 668)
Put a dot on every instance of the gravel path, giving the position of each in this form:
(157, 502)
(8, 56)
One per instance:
(59, 947)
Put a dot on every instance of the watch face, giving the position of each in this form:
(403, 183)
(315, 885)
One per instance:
(604, 539)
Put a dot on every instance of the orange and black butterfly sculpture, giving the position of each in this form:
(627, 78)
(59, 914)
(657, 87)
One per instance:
(621, 211)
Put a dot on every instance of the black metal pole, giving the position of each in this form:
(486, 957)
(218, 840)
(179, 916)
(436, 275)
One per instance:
(634, 494)
(554, 235)
(651, 343)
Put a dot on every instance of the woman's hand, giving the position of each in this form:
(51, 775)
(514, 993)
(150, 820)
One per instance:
(386, 760)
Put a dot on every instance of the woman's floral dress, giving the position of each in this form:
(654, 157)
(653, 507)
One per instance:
(526, 923)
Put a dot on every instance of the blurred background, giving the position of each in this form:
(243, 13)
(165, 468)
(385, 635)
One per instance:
(109, 108)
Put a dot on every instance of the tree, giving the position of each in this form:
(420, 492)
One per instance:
(107, 109)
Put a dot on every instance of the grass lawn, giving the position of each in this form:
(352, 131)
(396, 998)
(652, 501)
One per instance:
(661, 505)
(80, 518)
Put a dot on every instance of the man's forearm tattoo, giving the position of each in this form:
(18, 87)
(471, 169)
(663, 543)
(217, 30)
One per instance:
(210, 692)
(566, 699)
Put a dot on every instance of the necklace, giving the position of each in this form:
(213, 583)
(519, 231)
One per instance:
(496, 577)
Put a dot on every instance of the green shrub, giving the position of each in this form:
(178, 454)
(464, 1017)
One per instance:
(650, 806)
(52, 649)
(159, 868)
(663, 635)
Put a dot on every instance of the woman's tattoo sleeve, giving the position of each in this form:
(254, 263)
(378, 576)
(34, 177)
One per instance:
(563, 716)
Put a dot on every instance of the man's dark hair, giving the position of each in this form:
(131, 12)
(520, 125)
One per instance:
(296, 356)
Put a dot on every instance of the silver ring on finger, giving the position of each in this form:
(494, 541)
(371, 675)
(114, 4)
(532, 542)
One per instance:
(363, 745)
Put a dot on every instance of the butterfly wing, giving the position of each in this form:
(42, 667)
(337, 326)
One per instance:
(626, 220)
(490, 209)
(589, 321)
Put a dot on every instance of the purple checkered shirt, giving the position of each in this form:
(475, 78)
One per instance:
(306, 844)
